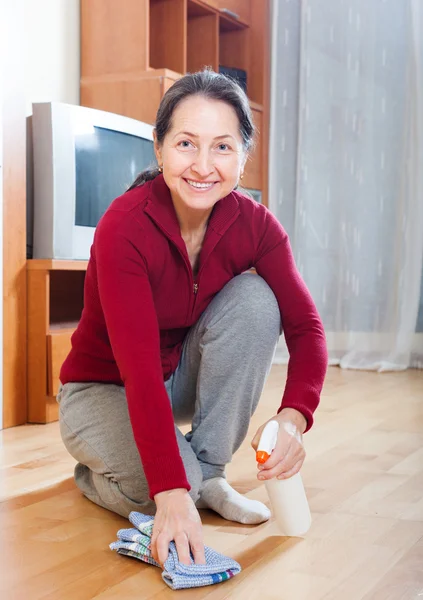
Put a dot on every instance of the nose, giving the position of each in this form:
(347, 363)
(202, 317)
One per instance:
(203, 165)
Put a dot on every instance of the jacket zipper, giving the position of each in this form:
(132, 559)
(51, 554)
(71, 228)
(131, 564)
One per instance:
(189, 269)
(191, 275)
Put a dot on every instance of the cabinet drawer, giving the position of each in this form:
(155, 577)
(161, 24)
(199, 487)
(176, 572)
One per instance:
(58, 347)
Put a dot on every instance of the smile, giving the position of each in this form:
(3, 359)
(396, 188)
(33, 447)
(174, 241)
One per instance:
(200, 186)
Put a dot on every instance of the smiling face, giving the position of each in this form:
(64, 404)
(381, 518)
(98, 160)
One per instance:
(202, 154)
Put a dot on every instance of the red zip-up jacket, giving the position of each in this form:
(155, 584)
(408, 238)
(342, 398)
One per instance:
(140, 300)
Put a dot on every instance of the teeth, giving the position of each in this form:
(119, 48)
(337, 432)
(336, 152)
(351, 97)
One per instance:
(199, 185)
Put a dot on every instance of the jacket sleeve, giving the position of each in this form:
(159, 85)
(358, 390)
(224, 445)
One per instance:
(133, 330)
(302, 326)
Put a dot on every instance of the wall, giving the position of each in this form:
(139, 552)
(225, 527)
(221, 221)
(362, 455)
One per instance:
(52, 58)
(52, 51)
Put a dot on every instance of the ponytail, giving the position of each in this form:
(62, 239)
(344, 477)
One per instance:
(146, 175)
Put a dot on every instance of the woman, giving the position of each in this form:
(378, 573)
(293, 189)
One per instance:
(174, 331)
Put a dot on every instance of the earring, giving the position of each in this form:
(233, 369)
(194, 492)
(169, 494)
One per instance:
(160, 169)
(242, 176)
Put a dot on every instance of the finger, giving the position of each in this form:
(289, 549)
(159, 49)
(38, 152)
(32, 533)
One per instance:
(277, 456)
(295, 469)
(153, 551)
(182, 548)
(282, 470)
(287, 448)
(162, 548)
(256, 439)
(284, 465)
(153, 543)
(197, 547)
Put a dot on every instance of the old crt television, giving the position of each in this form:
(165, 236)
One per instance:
(83, 159)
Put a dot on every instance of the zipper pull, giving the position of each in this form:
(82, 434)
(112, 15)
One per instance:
(195, 288)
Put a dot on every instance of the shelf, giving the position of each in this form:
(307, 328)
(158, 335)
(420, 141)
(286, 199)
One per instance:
(66, 296)
(197, 8)
(242, 8)
(228, 23)
(63, 327)
(133, 76)
(256, 106)
(56, 265)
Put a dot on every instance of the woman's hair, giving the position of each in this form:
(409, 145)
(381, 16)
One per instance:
(210, 85)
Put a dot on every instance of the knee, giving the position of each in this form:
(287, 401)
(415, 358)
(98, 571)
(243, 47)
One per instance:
(256, 305)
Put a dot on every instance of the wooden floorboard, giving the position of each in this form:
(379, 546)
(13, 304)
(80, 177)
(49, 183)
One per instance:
(364, 480)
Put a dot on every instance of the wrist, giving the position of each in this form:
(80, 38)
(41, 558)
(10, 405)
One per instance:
(175, 492)
(293, 416)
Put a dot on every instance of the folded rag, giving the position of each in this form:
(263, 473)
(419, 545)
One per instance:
(136, 543)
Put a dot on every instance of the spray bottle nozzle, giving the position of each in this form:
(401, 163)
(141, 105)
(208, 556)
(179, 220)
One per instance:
(262, 456)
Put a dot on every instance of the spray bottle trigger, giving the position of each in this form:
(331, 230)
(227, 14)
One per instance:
(267, 441)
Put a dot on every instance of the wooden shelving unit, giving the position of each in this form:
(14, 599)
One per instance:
(55, 302)
(127, 70)
(130, 56)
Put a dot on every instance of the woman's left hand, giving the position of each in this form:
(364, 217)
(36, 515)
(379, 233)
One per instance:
(288, 456)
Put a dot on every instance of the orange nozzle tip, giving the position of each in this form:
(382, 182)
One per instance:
(261, 456)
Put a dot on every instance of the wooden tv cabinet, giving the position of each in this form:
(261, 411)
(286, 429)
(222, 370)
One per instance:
(55, 302)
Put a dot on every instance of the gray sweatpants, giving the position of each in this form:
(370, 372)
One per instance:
(226, 358)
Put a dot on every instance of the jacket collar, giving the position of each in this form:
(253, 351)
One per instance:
(161, 209)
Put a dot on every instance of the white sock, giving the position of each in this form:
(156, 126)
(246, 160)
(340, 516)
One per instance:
(217, 494)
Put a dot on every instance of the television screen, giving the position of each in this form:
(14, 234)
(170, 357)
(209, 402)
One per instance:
(106, 162)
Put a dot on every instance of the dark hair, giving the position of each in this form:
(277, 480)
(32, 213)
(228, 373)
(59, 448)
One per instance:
(211, 85)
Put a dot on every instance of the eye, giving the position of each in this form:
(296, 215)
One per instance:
(185, 144)
(224, 147)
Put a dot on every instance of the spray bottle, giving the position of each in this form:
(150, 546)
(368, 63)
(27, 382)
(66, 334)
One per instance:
(287, 496)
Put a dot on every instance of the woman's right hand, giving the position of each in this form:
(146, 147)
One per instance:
(177, 519)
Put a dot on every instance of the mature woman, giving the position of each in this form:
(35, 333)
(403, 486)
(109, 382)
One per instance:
(174, 331)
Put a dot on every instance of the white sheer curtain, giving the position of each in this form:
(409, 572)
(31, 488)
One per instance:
(346, 171)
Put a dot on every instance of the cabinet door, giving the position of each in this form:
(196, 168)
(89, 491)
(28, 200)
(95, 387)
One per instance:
(58, 347)
(113, 38)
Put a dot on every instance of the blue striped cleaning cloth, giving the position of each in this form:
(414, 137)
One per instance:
(135, 542)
